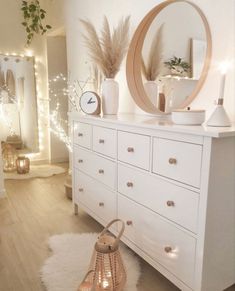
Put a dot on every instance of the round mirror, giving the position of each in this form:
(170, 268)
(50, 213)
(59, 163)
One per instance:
(169, 57)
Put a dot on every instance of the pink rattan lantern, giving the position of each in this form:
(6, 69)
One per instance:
(108, 272)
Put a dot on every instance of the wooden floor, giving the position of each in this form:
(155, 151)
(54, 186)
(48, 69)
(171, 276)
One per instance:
(33, 211)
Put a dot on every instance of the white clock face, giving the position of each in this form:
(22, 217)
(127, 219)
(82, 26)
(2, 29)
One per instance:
(89, 102)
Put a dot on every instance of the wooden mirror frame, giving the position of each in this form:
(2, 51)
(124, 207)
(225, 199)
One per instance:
(133, 64)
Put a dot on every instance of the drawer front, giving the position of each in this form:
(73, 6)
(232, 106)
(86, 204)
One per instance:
(177, 160)
(82, 134)
(99, 168)
(95, 196)
(175, 203)
(105, 141)
(163, 242)
(134, 149)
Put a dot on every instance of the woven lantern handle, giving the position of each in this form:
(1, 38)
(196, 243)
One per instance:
(120, 233)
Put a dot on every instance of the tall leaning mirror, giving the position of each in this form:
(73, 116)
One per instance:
(169, 57)
(18, 102)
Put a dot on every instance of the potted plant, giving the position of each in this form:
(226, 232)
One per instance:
(107, 52)
(177, 66)
(33, 16)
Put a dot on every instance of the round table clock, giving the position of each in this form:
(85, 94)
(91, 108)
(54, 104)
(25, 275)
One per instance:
(90, 102)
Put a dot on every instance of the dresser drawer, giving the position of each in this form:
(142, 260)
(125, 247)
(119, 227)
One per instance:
(163, 242)
(177, 160)
(175, 203)
(82, 134)
(95, 196)
(99, 168)
(105, 141)
(134, 149)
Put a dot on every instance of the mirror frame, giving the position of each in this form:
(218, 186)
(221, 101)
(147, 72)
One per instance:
(133, 63)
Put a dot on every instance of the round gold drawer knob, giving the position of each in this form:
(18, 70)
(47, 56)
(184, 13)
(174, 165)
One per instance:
(130, 150)
(129, 184)
(129, 222)
(80, 134)
(101, 140)
(172, 161)
(101, 204)
(168, 250)
(170, 203)
(80, 189)
(80, 161)
(101, 171)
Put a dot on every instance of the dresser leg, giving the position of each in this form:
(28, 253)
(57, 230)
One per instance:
(75, 209)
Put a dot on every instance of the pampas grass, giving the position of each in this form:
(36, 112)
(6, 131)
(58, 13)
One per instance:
(107, 50)
(152, 69)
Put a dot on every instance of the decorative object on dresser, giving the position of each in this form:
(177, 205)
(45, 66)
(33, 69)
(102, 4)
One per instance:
(106, 262)
(67, 266)
(9, 157)
(22, 165)
(152, 68)
(107, 52)
(90, 103)
(188, 117)
(129, 164)
(219, 117)
(179, 91)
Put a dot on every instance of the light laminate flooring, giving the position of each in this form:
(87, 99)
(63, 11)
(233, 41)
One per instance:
(33, 211)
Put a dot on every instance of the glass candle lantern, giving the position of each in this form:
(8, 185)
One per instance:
(22, 165)
(9, 158)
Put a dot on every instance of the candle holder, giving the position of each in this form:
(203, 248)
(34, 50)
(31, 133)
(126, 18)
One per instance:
(9, 158)
(219, 117)
(22, 165)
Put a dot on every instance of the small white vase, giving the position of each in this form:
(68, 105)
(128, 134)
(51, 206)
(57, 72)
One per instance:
(110, 96)
(151, 89)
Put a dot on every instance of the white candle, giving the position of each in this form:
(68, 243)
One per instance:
(222, 86)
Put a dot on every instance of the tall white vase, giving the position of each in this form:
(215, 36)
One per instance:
(151, 89)
(110, 96)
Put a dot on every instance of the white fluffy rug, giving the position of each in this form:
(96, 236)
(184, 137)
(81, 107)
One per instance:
(36, 171)
(66, 268)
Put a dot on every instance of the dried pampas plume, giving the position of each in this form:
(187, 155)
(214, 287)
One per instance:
(152, 69)
(108, 50)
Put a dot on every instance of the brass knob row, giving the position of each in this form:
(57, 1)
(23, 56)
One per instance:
(172, 161)
(168, 249)
(101, 140)
(170, 203)
(80, 161)
(101, 204)
(130, 150)
(101, 171)
(129, 184)
(80, 134)
(80, 189)
(129, 222)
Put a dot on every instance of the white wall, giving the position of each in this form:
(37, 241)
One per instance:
(2, 191)
(13, 38)
(56, 50)
(220, 15)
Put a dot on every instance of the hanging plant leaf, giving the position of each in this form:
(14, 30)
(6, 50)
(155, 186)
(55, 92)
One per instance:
(33, 16)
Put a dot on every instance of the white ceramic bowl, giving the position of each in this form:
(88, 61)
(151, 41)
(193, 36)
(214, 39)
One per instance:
(188, 117)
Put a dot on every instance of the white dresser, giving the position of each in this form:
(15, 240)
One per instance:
(174, 186)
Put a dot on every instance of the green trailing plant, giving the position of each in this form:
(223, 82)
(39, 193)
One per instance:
(178, 65)
(34, 16)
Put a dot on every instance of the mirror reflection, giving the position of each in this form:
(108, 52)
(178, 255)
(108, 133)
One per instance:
(18, 104)
(173, 55)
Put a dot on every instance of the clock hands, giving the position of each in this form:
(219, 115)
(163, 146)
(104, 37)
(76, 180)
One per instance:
(90, 101)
